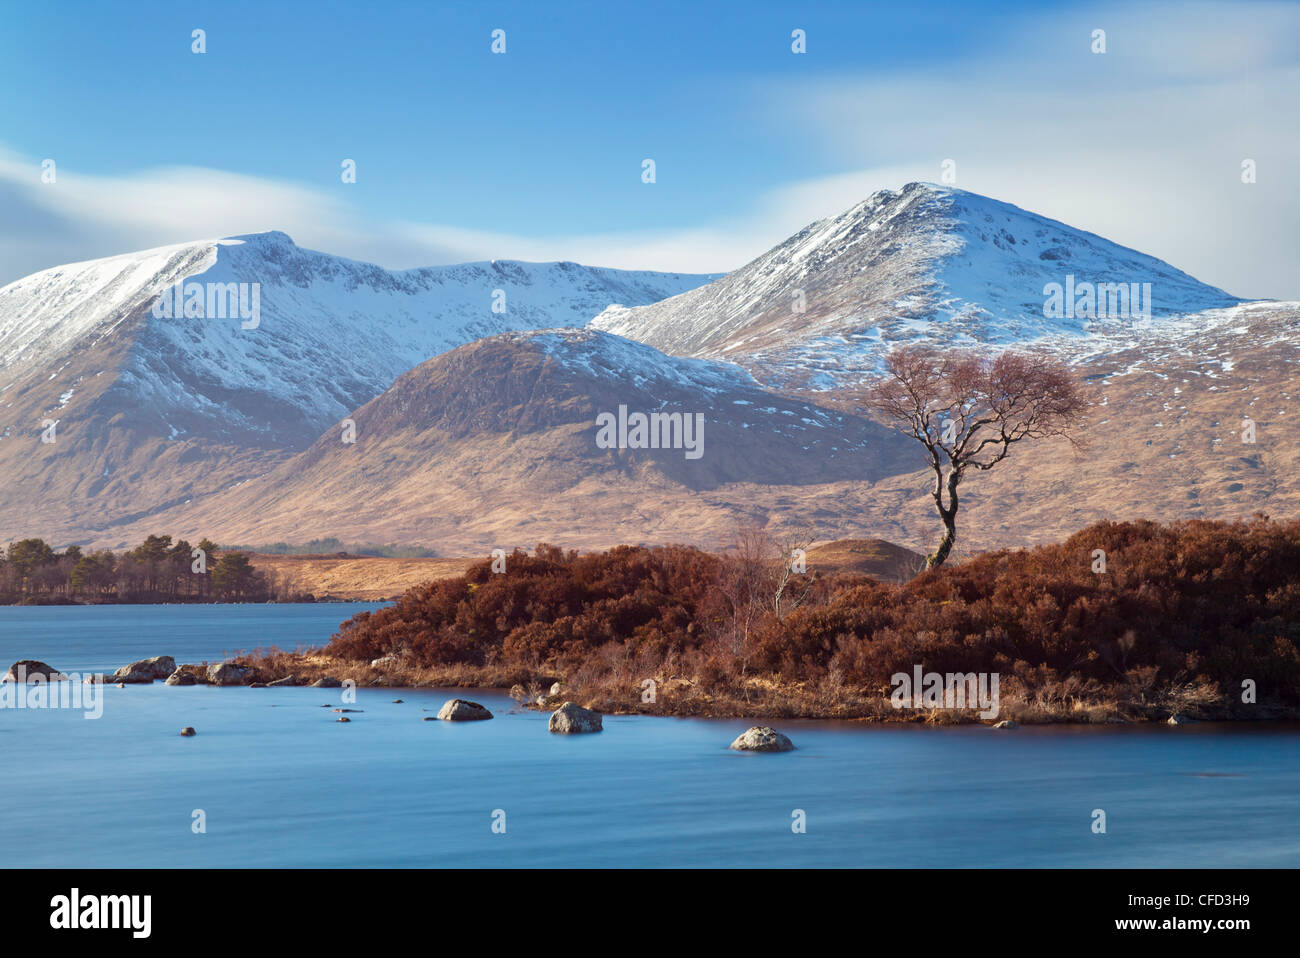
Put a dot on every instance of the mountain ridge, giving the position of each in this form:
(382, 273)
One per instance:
(924, 263)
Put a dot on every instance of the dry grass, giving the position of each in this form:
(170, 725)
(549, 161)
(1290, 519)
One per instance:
(759, 697)
(357, 578)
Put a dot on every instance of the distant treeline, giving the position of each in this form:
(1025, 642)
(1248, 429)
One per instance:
(158, 570)
(1121, 621)
(331, 546)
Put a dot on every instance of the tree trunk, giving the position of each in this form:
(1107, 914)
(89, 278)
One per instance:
(937, 558)
(949, 517)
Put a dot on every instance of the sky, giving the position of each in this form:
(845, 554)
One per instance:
(537, 153)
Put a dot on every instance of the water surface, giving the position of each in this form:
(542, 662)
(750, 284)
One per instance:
(282, 782)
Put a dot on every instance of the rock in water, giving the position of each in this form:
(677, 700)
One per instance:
(570, 719)
(762, 739)
(1007, 723)
(146, 670)
(327, 682)
(24, 669)
(463, 710)
(281, 683)
(187, 731)
(225, 673)
(181, 677)
(1179, 720)
(344, 718)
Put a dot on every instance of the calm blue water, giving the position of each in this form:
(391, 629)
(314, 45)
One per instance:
(283, 783)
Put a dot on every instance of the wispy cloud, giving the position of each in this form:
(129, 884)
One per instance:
(1142, 144)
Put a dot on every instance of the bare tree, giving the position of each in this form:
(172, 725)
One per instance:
(968, 409)
(791, 582)
(759, 574)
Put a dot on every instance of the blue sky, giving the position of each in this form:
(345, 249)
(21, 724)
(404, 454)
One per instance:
(536, 154)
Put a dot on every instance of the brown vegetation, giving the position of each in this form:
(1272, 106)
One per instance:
(1182, 615)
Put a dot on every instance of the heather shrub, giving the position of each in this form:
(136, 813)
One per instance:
(1183, 614)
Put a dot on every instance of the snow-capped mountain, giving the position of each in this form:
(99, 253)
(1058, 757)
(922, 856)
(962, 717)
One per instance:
(926, 264)
(500, 442)
(116, 405)
(330, 333)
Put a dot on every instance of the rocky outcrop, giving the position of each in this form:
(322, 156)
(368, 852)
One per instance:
(571, 719)
(124, 676)
(181, 677)
(155, 667)
(25, 669)
(760, 738)
(463, 710)
(326, 682)
(282, 683)
(227, 673)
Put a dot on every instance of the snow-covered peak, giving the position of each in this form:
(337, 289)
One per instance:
(330, 333)
(924, 263)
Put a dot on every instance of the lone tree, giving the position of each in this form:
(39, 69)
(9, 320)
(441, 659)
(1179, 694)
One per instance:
(967, 409)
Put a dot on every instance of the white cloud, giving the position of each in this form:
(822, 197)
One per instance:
(1142, 145)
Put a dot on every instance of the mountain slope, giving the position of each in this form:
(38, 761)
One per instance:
(331, 333)
(493, 445)
(152, 412)
(497, 443)
(925, 263)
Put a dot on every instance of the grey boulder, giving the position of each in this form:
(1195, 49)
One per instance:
(226, 673)
(156, 667)
(571, 719)
(25, 669)
(760, 738)
(463, 710)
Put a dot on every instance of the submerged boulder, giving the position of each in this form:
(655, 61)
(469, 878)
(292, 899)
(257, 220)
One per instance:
(463, 710)
(24, 669)
(760, 738)
(571, 719)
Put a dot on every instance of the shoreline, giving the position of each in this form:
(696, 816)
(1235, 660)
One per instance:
(675, 697)
(756, 698)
